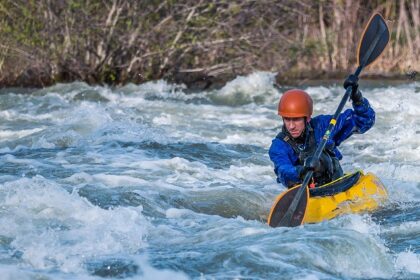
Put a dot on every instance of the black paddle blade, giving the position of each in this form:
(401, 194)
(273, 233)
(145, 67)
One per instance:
(280, 208)
(374, 40)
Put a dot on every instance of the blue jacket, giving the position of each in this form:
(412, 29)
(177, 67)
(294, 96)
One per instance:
(357, 120)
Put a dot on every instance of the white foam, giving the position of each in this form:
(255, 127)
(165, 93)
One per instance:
(118, 180)
(163, 119)
(161, 90)
(159, 87)
(257, 87)
(16, 134)
(175, 213)
(409, 261)
(55, 229)
(16, 160)
(360, 223)
(323, 98)
(9, 272)
(248, 231)
(151, 273)
(79, 178)
(247, 139)
(406, 228)
(255, 120)
(310, 277)
(195, 175)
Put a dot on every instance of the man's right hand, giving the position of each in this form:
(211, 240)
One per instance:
(313, 164)
(310, 164)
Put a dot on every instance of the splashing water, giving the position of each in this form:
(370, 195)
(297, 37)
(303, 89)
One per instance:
(152, 182)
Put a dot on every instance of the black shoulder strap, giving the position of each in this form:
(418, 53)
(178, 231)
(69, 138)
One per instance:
(310, 144)
(286, 138)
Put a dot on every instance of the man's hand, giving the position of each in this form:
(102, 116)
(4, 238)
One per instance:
(353, 82)
(310, 164)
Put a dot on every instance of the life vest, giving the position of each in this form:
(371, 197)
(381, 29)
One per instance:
(331, 168)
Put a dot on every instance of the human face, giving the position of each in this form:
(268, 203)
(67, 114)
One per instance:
(295, 126)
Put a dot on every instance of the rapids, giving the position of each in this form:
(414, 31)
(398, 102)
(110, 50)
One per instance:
(155, 182)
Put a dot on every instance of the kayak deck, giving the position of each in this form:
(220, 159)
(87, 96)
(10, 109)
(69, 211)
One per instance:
(352, 193)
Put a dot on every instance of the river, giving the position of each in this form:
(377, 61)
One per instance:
(152, 181)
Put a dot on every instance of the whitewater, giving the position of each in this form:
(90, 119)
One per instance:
(155, 181)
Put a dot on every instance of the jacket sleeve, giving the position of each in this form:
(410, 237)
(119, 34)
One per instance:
(357, 120)
(283, 158)
(364, 116)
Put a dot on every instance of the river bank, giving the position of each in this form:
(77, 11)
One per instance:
(193, 83)
(200, 44)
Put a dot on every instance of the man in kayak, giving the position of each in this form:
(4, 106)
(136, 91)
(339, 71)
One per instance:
(292, 149)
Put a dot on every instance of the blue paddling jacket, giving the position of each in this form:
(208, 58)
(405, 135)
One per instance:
(286, 161)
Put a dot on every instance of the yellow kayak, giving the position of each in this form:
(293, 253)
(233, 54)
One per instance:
(353, 193)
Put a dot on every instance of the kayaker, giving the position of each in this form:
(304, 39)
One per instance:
(292, 149)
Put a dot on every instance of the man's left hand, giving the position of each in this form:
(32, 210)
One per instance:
(353, 82)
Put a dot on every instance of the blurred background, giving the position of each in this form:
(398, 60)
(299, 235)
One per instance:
(201, 43)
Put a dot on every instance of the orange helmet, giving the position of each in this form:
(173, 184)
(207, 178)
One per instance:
(295, 103)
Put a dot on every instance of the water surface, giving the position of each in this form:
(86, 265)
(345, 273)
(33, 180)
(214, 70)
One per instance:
(153, 182)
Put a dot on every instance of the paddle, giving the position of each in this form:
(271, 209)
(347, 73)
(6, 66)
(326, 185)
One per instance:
(289, 209)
